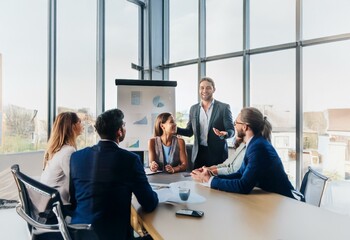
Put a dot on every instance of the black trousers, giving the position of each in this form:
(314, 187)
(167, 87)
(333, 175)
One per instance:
(203, 157)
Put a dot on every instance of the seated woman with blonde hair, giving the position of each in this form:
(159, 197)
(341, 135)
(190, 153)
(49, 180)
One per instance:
(167, 152)
(62, 143)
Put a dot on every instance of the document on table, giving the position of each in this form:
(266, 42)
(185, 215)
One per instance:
(149, 172)
(170, 193)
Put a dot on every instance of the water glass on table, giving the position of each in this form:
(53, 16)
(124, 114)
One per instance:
(184, 192)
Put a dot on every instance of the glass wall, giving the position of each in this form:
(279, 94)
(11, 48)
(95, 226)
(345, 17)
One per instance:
(327, 109)
(272, 22)
(121, 46)
(324, 18)
(76, 63)
(24, 65)
(184, 30)
(224, 26)
(227, 74)
(326, 117)
(272, 90)
(186, 92)
(23, 60)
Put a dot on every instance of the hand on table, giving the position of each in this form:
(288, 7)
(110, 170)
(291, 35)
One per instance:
(201, 175)
(169, 169)
(153, 166)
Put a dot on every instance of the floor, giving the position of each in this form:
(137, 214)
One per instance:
(12, 226)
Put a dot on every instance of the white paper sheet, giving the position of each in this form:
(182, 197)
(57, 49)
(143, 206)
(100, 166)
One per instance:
(149, 172)
(171, 193)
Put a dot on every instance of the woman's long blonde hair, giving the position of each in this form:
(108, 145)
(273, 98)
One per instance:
(62, 133)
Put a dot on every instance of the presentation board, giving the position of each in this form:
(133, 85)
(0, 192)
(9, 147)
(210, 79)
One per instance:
(142, 101)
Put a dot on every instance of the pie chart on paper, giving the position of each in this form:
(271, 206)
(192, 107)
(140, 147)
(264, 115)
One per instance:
(157, 102)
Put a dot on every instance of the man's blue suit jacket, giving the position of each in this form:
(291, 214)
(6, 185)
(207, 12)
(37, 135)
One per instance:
(261, 168)
(221, 118)
(103, 178)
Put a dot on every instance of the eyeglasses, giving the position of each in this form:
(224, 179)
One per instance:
(236, 122)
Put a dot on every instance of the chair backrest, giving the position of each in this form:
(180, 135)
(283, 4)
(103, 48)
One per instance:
(313, 186)
(40, 207)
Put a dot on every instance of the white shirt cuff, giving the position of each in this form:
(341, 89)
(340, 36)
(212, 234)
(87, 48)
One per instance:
(208, 184)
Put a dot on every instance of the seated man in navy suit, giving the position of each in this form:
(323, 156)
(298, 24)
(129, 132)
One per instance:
(103, 178)
(261, 165)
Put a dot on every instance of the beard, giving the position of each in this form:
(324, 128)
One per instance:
(207, 97)
(240, 133)
(121, 138)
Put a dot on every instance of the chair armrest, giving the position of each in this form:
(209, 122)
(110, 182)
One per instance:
(82, 232)
(28, 219)
(298, 195)
(80, 226)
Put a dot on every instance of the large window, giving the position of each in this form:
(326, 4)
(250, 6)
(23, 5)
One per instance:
(224, 26)
(23, 59)
(272, 22)
(273, 92)
(227, 74)
(122, 41)
(183, 30)
(76, 63)
(326, 115)
(324, 18)
(186, 92)
(327, 109)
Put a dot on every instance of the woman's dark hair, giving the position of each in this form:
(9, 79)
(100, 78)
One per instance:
(108, 123)
(257, 122)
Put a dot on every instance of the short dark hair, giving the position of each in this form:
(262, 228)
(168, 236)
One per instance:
(108, 123)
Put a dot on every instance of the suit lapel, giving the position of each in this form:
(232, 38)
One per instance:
(251, 143)
(213, 114)
(196, 115)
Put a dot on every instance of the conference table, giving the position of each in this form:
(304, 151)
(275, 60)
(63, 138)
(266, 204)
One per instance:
(255, 216)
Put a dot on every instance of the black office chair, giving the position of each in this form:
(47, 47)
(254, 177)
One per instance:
(40, 206)
(312, 187)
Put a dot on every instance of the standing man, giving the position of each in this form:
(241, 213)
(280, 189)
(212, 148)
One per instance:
(103, 178)
(210, 122)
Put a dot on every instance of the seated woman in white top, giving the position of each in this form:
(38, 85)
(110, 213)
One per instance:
(62, 143)
(167, 152)
(233, 163)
